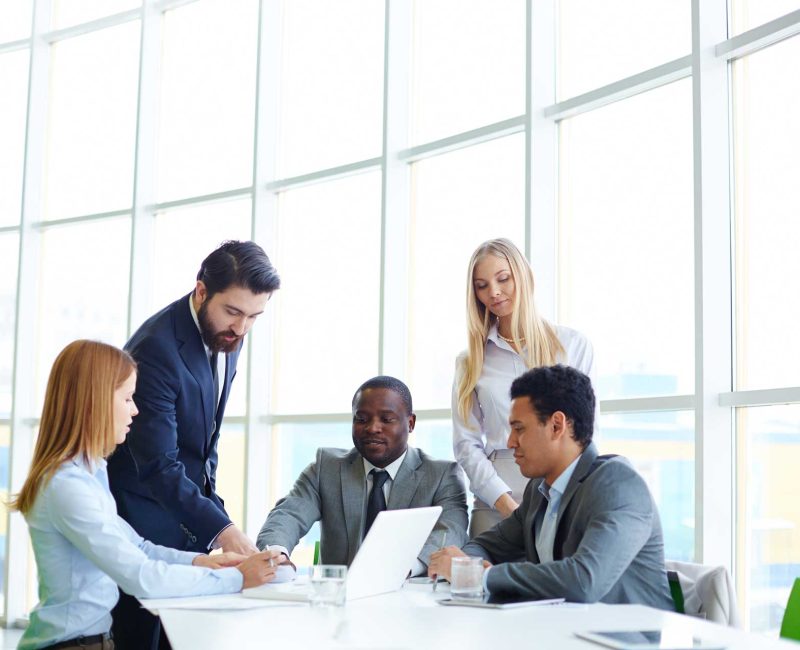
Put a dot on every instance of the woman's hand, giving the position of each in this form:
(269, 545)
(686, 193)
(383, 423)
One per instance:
(219, 560)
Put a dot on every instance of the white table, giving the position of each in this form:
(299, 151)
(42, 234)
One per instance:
(410, 618)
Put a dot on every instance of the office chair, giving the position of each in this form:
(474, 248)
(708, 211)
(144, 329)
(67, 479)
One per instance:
(703, 591)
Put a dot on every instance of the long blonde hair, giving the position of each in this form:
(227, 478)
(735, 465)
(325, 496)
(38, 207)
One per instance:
(542, 347)
(78, 414)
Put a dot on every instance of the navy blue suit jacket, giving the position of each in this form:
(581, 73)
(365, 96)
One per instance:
(163, 477)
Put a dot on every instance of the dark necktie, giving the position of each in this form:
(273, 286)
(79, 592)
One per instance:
(377, 501)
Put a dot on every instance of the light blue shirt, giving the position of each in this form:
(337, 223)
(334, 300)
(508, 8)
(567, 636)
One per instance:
(83, 550)
(546, 535)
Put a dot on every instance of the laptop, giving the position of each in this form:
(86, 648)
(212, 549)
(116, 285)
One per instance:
(382, 562)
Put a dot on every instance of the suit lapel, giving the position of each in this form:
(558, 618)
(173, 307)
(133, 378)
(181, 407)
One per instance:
(405, 482)
(535, 511)
(353, 479)
(582, 469)
(194, 356)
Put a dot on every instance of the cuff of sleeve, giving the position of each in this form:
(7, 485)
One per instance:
(492, 490)
(214, 545)
(187, 558)
(277, 547)
(232, 579)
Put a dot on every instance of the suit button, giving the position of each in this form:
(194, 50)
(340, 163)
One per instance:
(194, 539)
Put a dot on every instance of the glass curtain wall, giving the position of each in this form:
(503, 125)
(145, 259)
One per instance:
(370, 147)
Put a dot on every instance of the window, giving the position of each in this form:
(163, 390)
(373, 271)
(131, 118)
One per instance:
(331, 94)
(461, 199)
(601, 42)
(14, 82)
(626, 255)
(92, 123)
(207, 105)
(768, 530)
(469, 65)
(767, 163)
(82, 291)
(328, 306)
(767, 279)
(139, 163)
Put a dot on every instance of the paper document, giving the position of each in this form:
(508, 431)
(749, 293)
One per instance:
(216, 603)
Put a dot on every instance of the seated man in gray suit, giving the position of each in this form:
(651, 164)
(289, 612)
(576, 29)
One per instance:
(346, 489)
(587, 530)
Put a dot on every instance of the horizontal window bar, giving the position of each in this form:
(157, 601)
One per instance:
(765, 397)
(623, 89)
(204, 198)
(98, 216)
(5, 229)
(760, 37)
(13, 46)
(311, 418)
(166, 5)
(324, 175)
(641, 404)
(465, 139)
(93, 25)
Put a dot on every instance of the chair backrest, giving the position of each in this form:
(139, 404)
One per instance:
(704, 591)
(790, 628)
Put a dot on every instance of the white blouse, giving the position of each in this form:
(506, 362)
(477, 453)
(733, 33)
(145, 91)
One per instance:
(84, 550)
(487, 429)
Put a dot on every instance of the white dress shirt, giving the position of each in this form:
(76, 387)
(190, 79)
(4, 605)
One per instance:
(222, 365)
(487, 428)
(546, 535)
(419, 568)
(392, 469)
(83, 550)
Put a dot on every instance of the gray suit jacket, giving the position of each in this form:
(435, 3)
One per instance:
(608, 547)
(332, 489)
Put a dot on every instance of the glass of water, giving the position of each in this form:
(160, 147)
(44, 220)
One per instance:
(466, 578)
(328, 588)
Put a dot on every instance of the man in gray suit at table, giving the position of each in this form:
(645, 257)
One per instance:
(345, 490)
(587, 530)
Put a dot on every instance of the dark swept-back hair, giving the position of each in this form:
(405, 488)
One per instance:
(390, 383)
(241, 264)
(560, 388)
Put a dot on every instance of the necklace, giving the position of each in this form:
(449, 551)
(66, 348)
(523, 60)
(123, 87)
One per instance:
(511, 341)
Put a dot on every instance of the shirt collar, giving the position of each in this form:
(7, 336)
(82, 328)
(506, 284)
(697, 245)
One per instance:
(197, 323)
(92, 466)
(392, 468)
(494, 337)
(560, 484)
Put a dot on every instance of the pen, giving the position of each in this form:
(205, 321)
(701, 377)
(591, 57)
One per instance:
(271, 561)
(444, 541)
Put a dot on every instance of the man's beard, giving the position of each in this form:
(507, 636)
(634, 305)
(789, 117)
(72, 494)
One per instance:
(215, 340)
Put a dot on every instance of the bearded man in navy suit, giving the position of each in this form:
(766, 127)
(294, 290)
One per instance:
(164, 476)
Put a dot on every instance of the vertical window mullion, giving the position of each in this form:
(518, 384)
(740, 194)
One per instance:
(713, 291)
(23, 400)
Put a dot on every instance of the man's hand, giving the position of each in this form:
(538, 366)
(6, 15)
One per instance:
(219, 560)
(259, 568)
(439, 565)
(505, 505)
(233, 540)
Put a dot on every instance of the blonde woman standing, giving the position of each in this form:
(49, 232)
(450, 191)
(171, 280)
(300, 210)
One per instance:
(83, 549)
(505, 337)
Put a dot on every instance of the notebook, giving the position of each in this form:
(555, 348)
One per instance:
(382, 562)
